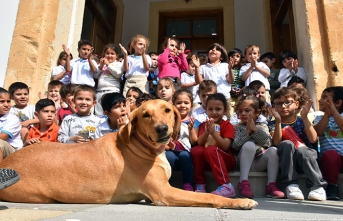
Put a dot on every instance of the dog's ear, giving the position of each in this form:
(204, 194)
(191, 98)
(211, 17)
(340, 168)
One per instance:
(125, 132)
(177, 123)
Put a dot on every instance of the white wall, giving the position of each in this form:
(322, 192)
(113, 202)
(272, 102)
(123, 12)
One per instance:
(8, 15)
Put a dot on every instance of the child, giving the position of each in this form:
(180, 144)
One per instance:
(67, 96)
(10, 140)
(80, 127)
(143, 98)
(255, 70)
(114, 106)
(165, 89)
(54, 88)
(19, 93)
(296, 81)
(215, 136)
(46, 130)
(269, 59)
(132, 94)
(216, 70)
(109, 75)
(206, 87)
(8, 177)
(59, 72)
(329, 129)
(298, 155)
(172, 60)
(188, 80)
(252, 140)
(83, 67)
(137, 64)
(290, 62)
(180, 157)
(153, 73)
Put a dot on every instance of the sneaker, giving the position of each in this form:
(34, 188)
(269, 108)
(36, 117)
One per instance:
(245, 190)
(188, 187)
(200, 188)
(8, 177)
(273, 191)
(317, 194)
(225, 190)
(332, 192)
(294, 193)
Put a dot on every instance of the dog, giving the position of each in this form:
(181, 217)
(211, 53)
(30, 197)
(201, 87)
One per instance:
(123, 167)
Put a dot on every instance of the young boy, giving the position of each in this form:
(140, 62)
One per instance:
(10, 140)
(83, 67)
(80, 127)
(255, 70)
(188, 81)
(290, 62)
(46, 130)
(8, 177)
(19, 93)
(67, 95)
(54, 88)
(269, 59)
(153, 73)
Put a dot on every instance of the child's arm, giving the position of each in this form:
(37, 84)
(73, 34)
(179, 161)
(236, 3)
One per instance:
(29, 122)
(222, 143)
(145, 61)
(125, 62)
(4, 136)
(197, 75)
(32, 141)
(193, 133)
(310, 132)
(241, 137)
(92, 64)
(277, 133)
(247, 73)
(67, 51)
(263, 71)
(115, 69)
(59, 75)
(202, 139)
(262, 136)
(183, 63)
(230, 77)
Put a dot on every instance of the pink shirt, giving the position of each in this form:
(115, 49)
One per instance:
(171, 65)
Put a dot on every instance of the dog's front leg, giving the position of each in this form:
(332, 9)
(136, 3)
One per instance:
(166, 195)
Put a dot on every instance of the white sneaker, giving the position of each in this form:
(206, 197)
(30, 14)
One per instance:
(294, 193)
(317, 194)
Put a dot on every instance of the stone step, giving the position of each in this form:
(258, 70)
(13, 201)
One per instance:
(258, 181)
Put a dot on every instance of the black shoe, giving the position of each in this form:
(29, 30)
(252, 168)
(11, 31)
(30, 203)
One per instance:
(8, 177)
(332, 192)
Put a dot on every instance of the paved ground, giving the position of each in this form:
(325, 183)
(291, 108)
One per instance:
(268, 209)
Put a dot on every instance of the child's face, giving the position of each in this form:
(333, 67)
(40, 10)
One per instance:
(236, 59)
(252, 54)
(268, 62)
(5, 104)
(243, 62)
(84, 102)
(46, 115)
(183, 104)
(173, 47)
(69, 98)
(288, 62)
(84, 51)
(286, 106)
(140, 46)
(326, 99)
(110, 55)
(246, 111)
(191, 69)
(54, 93)
(132, 97)
(117, 111)
(215, 109)
(62, 61)
(214, 55)
(204, 95)
(165, 90)
(21, 97)
(262, 91)
(154, 60)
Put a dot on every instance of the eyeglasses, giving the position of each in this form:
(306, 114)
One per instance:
(286, 103)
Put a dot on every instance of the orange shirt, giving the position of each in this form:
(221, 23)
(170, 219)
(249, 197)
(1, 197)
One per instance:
(50, 135)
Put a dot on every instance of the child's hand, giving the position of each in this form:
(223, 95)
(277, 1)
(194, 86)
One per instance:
(306, 109)
(32, 141)
(40, 95)
(231, 63)
(123, 49)
(191, 124)
(121, 121)
(295, 65)
(272, 112)
(196, 61)
(251, 127)
(209, 126)
(90, 53)
(65, 49)
(330, 108)
(182, 47)
(79, 139)
(72, 106)
(254, 62)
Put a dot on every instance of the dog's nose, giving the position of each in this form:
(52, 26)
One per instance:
(161, 129)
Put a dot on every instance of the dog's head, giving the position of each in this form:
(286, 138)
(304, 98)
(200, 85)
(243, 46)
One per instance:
(156, 121)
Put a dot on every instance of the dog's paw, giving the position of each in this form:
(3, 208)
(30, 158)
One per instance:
(245, 204)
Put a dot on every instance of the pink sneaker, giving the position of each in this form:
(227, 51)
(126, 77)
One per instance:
(225, 190)
(273, 191)
(245, 190)
(200, 188)
(188, 187)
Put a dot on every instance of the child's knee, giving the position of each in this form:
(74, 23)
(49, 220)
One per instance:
(249, 146)
(330, 155)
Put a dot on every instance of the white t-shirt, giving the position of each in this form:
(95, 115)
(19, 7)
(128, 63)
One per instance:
(217, 74)
(136, 66)
(27, 113)
(59, 69)
(201, 115)
(109, 77)
(187, 79)
(286, 75)
(10, 125)
(82, 73)
(255, 74)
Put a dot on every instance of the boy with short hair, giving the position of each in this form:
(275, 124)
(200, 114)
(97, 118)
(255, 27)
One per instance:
(54, 88)
(46, 130)
(269, 59)
(153, 73)
(19, 93)
(10, 140)
(80, 127)
(83, 67)
(67, 95)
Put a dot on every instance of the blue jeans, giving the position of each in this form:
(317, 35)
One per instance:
(181, 160)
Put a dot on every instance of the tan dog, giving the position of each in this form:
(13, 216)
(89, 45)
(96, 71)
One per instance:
(113, 169)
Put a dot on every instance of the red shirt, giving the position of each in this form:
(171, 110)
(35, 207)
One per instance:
(62, 113)
(50, 135)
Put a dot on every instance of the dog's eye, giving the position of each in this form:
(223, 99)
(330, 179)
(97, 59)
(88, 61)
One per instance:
(167, 110)
(146, 115)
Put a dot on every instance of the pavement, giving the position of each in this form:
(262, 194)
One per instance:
(268, 209)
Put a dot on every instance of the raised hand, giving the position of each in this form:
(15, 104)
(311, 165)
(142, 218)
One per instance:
(295, 65)
(196, 61)
(251, 126)
(306, 108)
(123, 49)
(121, 121)
(231, 63)
(90, 53)
(182, 47)
(191, 123)
(65, 49)
(273, 113)
(209, 126)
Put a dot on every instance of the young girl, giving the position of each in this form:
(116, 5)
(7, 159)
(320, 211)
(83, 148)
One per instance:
(180, 157)
(252, 140)
(294, 137)
(165, 89)
(109, 74)
(215, 136)
(217, 70)
(137, 64)
(59, 72)
(171, 61)
(188, 80)
(114, 106)
(132, 94)
(329, 129)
